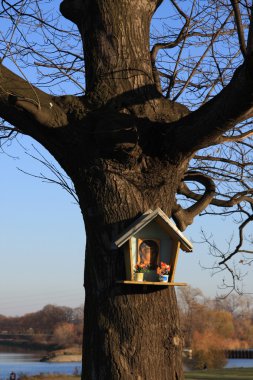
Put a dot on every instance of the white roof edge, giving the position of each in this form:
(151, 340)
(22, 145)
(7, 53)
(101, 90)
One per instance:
(133, 228)
(174, 227)
(143, 220)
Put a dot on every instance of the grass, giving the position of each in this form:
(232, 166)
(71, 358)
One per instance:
(211, 374)
(218, 374)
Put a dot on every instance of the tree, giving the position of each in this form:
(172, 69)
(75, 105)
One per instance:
(64, 334)
(129, 146)
(211, 327)
(41, 322)
(208, 350)
(192, 312)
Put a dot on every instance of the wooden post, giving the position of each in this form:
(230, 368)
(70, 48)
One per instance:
(174, 257)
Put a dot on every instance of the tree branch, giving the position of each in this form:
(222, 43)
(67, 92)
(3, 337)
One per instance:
(22, 105)
(169, 45)
(222, 159)
(237, 138)
(231, 202)
(239, 27)
(184, 217)
(237, 248)
(59, 178)
(205, 126)
(250, 34)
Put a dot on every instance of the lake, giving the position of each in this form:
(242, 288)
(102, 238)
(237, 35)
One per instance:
(29, 364)
(239, 363)
(234, 363)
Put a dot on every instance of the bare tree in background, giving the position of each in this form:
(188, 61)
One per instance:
(167, 126)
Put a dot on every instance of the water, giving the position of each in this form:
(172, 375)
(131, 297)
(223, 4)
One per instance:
(29, 364)
(19, 358)
(239, 363)
(234, 363)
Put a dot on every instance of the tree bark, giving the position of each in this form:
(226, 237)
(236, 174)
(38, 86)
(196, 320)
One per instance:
(131, 332)
(116, 46)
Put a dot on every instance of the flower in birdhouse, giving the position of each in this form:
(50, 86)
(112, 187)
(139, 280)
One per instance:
(141, 268)
(163, 268)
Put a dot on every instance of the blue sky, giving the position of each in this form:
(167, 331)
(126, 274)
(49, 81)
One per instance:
(43, 240)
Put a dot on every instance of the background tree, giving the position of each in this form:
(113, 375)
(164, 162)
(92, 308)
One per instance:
(191, 303)
(43, 321)
(210, 327)
(150, 120)
(64, 334)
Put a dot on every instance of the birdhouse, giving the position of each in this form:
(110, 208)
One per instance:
(151, 246)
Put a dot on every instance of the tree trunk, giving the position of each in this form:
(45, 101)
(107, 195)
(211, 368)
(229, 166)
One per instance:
(116, 46)
(130, 332)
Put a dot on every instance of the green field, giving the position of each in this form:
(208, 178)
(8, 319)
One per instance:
(226, 374)
(215, 374)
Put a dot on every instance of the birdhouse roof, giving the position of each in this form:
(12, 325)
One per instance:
(161, 218)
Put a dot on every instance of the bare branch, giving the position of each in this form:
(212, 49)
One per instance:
(58, 177)
(221, 159)
(243, 196)
(250, 34)
(233, 269)
(169, 45)
(239, 245)
(215, 36)
(239, 27)
(237, 138)
(184, 217)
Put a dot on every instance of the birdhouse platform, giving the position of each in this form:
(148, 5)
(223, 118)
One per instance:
(156, 283)
(151, 245)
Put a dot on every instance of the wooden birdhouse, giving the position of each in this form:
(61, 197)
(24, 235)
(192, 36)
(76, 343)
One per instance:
(151, 246)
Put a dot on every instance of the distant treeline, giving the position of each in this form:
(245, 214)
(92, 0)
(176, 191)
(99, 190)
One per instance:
(212, 326)
(209, 326)
(53, 324)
